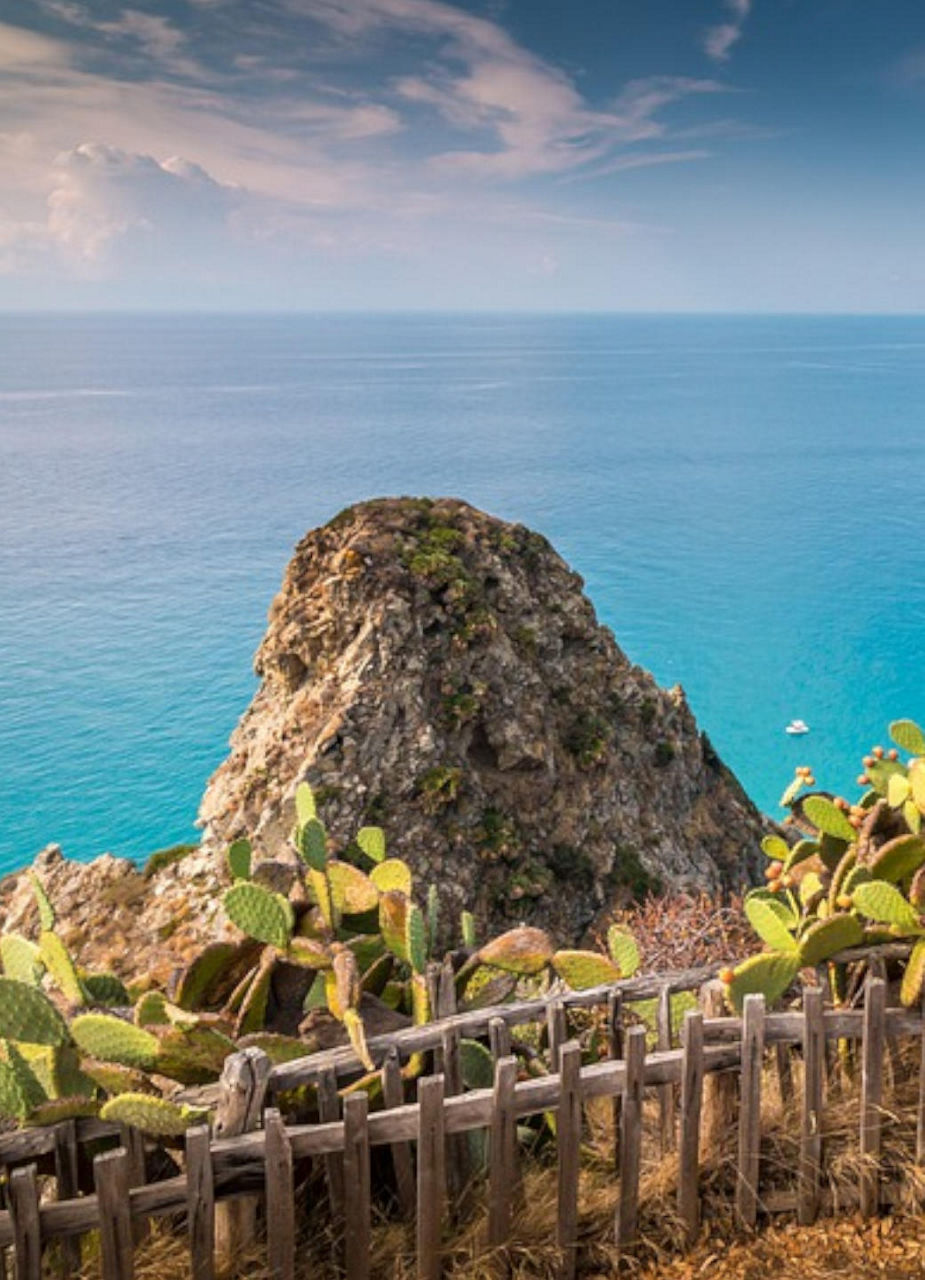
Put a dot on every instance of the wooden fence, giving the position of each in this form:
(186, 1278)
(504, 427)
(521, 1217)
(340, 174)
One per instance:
(715, 1076)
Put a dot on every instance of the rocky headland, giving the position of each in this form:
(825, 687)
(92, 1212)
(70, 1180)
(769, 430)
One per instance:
(439, 672)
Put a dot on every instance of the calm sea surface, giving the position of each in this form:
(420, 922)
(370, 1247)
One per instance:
(742, 496)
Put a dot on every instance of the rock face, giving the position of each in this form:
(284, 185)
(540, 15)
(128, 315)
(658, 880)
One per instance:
(439, 672)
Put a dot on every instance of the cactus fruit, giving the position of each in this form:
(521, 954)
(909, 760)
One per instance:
(392, 874)
(239, 859)
(19, 959)
(826, 938)
(27, 1014)
(769, 974)
(623, 950)
(111, 1040)
(151, 1115)
(263, 915)
(583, 969)
(524, 950)
(372, 841)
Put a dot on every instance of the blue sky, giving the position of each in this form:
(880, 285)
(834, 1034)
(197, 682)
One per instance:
(540, 154)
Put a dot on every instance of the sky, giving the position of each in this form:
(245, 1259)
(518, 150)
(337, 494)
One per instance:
(656, 155)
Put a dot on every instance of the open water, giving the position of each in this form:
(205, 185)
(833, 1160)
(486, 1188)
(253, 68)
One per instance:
(742, 495)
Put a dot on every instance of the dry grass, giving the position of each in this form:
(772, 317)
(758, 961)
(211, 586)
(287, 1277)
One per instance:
(843, 1246)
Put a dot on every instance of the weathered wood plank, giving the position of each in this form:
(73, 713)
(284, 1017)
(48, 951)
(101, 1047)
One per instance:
(112, 1177)
(811, 1113)
(692, 1076)
(502, 1153)
(631, 1138)
(431, 1177)
(666, 1101)
(720, 1091)
(357, 1206)
(328, 1111)
(393, 1093)
(200, 1203)
(457, 1145)
(499, 1038)
(66, 1181)
(280, 1197)
(568, 1149)
(242, 1090)
(556, 1031)
(27, 1231)
(746, 1196)
(872, 1051)
(615, 1052)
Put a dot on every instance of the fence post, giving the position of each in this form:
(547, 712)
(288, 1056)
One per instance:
(242, 1090)
(746, 1198)
(502, 1152)
(457, 1145)
(328, 1112)
(357, 1206)
(499, 1038)
(615, 1051)
(280, 1197)
(811, 1120)
(200, 1203)
(393, 1094)
(666, 1106)
(112, 1175)
(568, 1149)
(66, 1178)
(872, 1049)
(431, 1176)
(631, 1137)
(557, 1031)
(27, 1231)
(691, 1099)
(720, 1097)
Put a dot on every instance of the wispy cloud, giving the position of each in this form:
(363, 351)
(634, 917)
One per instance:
(719, 40)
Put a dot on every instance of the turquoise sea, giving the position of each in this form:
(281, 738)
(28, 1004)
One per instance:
(742, 496)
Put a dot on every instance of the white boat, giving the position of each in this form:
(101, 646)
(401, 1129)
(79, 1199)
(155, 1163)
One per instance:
(797, 726)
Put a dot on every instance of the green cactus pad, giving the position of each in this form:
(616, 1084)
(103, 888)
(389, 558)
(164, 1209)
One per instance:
(420, 1001)
(829, 819)
(57, 1110)
(775, 848)
(802, 850)
(191, 1055)
(393, 922)
(105, 989)
(20, 960)
(779, 903)
(45, 909)
(156, 1116)
(309, 953)
(908, 736)
(880, 773)
(523, 950)
(20, 1087)
(353, 891)
(623, 950)
(831, 850)
(768, 925)
(840, 875)
(357, 1036)
(102, 1036)
(791, 793)
(393, 875)
(305, 806)
(856, 876)
(416, 938)
(810, 886)
(372, 841)
(239, 858)
(277, 1048)
(898, 790)
(57, 960)
(253, 1012)
(913, 816)
(151, 1010)
(884, 904)
(433, 917)
(827, 937)
(898, 859)
(67, 1078)
(768, 974)
(477, 1066)
(312, 844)
(910, 992)
(114, 1079)
(321, 891)
(467, 929)
(196, 988)
(917, 783)
(367, 947)
(27, 1014)
(377, 974)
(260, 914)
(583, 969)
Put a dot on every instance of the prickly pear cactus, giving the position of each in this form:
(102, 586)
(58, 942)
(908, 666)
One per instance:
(152, 1115)
(263, 915)
(102, 1036)
(27, 1014)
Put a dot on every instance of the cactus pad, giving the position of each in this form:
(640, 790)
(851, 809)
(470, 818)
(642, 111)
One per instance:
(19, 959)
(20, 1089)
(105, 989)
(907, 735)
(27, 1014)
(768, 925)
(239, 859)
(305, 806)
(277, 1048)
(829, 819)
(151, 1115)
(102, 1036)
(57, 960)
(416, 938)
(353, 892)
(917, 783)
(910, 992)
(775, 847)
(467, 929)
(476, 1064)
(312, 844)
(321, 890)
(523, 950)
(45, 909)
(199, 980)
(309, 952)
(769, 974)
(372, 841)
(151, 1010)
(253, 1012)
(260, 914)
(623, 950)
(115, 1079)
(357, 1036)
(57, 1109)
(884, 904)
(898, 858)
(392, 875)
(582, 969)
(393, 921)
(827, 937)
(191, 1055)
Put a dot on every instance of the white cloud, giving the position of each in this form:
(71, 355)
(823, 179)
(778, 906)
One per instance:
(719, 40)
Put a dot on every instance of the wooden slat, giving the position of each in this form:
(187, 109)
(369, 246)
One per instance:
(872, 1050)
(242, 1090)
(457, 1146)
(357, 1207)
(134, 1143)
(280, 1197)
(328, 1111)
(27, 1231)
(112, 1176)
(568, 1149)
(746, 1196)
(66, 1180)
(200, 1203)
(666, 1105)
(720, 1096)
(784, 1069)
(691, 1101)
(499, 1038)
(557, 1032)
(431, 1177)
(502, 1152)
(631, 1138)
(615, 1052)
(393, 1093)
(811, 1113)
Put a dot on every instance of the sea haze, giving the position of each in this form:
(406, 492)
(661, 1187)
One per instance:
(741, 495)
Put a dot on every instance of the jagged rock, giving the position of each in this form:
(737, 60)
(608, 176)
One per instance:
(440, 672)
